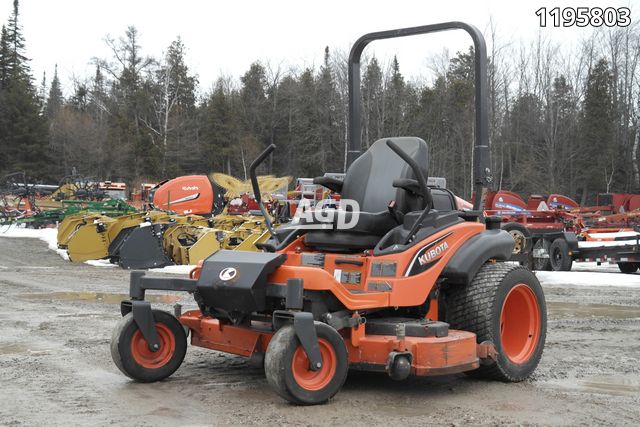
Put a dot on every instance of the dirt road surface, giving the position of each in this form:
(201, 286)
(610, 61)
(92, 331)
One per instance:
(56, 320)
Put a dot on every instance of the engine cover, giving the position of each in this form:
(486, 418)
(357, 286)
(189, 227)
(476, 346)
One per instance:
(191, 194)
(233, 283)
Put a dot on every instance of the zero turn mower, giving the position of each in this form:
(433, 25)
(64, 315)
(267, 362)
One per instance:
(407, 290)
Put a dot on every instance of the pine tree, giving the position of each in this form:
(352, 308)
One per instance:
(305, 127)
(220, 129)
(373, 103)
(328, 112)
(4, 57)
(4, 113)
(459, 118)
(253, 114)
(527, 169)
(598, 157)
(54, 100)
(23, 135)
(253, 99)
(175, 95)
(561, 127)
(395, 100)
(132, 151)
(52, 111)
(17, 61)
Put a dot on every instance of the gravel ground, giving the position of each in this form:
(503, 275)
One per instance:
(56, 320)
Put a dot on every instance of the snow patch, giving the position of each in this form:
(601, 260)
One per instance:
(606, 243)
(616, 235)
(48, 235)
(593, 267)
(174, 269)
(100, 263)
(583, 278)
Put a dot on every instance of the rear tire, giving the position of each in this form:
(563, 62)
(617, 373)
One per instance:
(287, 371)
(504, 304)
(628, 267)
(559, 255)
(131, 354)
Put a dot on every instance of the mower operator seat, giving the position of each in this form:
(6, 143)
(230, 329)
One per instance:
(369, 181)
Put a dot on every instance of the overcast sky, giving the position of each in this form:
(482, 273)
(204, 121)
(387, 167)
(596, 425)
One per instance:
(225, 37)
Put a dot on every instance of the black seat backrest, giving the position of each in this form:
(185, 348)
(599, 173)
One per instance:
(368, 180)
(443, 200)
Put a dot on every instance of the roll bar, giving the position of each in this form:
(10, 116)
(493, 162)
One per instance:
(481, 153)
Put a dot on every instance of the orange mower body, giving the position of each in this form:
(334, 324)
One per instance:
(396, 278)
(434, 355)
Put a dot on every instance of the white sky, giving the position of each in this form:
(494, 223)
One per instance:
(225, 37)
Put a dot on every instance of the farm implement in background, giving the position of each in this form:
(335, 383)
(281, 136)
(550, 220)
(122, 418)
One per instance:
(184, 232)
(553, 232)
(40, 205)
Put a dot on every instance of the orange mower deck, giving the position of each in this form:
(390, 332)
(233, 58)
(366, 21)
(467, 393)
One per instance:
(454, 353)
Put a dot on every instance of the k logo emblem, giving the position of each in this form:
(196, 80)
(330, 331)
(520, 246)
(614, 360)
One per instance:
(228, 274)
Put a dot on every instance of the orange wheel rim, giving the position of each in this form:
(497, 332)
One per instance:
(314, 380)
(153, 359)
(520, 323)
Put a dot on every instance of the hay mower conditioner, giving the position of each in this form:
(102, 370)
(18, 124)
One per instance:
(408, 290)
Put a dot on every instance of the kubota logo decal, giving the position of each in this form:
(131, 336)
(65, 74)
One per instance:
(190, 188)
(228, 273)
(433, 253)
(428, 256)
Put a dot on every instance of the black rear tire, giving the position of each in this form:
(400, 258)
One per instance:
(559, 255)
(132, 358)
(478, 308)
(628, 267)
(319, 386)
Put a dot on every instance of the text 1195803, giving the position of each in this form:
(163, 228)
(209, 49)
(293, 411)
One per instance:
(584, 16)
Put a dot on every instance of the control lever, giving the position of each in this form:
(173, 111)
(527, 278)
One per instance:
(422, 181)
(397, 216)
(256, 189)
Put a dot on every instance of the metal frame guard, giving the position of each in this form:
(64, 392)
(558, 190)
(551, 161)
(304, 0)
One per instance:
(481, 153)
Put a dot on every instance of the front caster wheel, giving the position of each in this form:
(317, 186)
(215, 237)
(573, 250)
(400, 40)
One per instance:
(287, 368)
(132, 355)
(504, 304)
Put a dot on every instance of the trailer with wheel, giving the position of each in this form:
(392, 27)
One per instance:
(558, 251)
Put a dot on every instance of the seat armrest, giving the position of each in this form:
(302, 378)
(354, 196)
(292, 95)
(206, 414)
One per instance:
(410, 185)
(267, 247)
(332, 184)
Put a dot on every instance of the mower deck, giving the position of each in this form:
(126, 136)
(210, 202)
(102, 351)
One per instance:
(456, 352)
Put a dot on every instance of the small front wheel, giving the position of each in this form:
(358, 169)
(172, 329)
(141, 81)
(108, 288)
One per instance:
(287, 367)
(131, 353)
